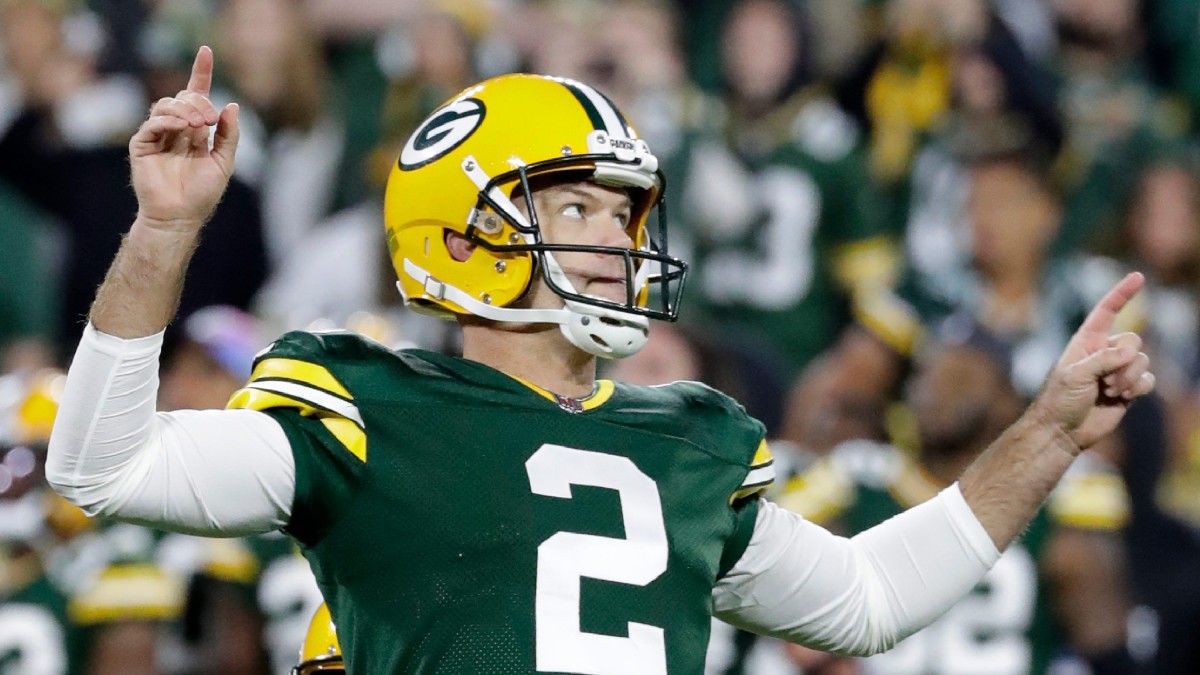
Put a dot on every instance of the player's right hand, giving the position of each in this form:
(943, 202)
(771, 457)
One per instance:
(177, 177)
(1098, 376)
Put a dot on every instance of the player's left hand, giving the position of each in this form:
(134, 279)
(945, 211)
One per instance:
(1098, 375)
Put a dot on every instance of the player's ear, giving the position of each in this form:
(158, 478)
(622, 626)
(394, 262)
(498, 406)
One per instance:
(459, 246)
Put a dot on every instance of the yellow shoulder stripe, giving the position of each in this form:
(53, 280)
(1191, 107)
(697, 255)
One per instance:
(762, 455)
(761, 477)
(749, 492)
(348, 434)
(347, 431)
(249, 398)
(300, 371)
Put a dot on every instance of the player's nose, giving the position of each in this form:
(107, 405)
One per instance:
(616, 232)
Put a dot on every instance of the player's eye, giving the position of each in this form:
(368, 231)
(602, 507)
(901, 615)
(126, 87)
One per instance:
(572, 210)
(623, 219)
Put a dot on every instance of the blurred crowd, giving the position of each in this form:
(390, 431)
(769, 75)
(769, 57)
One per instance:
(896, 212)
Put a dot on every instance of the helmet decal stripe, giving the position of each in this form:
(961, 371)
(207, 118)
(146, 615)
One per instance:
(601, 112)
(628, 130)
(592, 113)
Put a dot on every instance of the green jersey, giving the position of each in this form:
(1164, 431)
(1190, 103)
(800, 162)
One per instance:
(1005, 625)
(786, 236)
(461, 521)
(35, 633)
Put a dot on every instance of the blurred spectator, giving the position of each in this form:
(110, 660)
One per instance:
(338, 270)
(946, 68)
(1164, 549)
(783, 224)
(291, 144)
(76, 597)
(1057, 593)
(836, 399)
(248, 604)
(1013, 289)
(36, 633)
(211, 359)
(64, 150)
(29, 292)
(642, 69)
(1161, 237)
(1170, 25)
(1112, 111)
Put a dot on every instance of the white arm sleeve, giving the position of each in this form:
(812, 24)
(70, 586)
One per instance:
(214, 472)
(799, 582)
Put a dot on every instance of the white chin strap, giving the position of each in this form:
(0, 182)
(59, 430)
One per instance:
(598, 331)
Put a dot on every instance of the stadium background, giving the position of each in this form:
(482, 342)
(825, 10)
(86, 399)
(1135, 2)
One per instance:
(854, 181)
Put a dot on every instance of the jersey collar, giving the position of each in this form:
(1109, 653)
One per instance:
(601, 392)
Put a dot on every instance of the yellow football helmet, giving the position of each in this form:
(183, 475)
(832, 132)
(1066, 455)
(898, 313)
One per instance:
(459, 172)
(28, 405)
(321, 652)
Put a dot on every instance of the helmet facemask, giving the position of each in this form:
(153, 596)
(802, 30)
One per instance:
(653, 279)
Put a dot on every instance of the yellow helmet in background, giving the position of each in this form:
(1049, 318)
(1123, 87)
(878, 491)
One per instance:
(28, 405)
(321, 652)
(460, 171)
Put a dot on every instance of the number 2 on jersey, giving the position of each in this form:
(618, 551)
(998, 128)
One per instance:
(566, 557)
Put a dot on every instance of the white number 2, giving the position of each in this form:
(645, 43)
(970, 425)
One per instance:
(566, 557)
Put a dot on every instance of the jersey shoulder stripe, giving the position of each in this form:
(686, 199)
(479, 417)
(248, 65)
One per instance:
(310, 389)
(761, 476)
(303, 372)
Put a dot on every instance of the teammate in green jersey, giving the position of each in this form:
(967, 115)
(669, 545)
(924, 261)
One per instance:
(505, 512)
(74, 598)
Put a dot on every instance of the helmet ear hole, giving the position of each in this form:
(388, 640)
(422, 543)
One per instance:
(459, 246)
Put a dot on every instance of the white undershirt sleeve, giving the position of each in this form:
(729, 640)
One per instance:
(860, 596)
(213, 472)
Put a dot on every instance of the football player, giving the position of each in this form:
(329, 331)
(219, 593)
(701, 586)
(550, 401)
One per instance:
(506, 511)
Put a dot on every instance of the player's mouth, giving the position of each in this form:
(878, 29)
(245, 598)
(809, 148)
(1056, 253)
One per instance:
(608, 287)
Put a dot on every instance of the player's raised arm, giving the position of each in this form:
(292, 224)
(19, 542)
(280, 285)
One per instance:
(1084, 398)
(178, 179)
(213, 472)
(862, 595)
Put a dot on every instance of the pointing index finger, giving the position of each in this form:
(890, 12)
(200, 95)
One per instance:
(202, 69)
(1103, 315)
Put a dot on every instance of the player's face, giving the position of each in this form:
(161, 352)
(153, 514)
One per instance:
(1013, 219)
(584, 213)
(1163, 222)
(958, 397)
